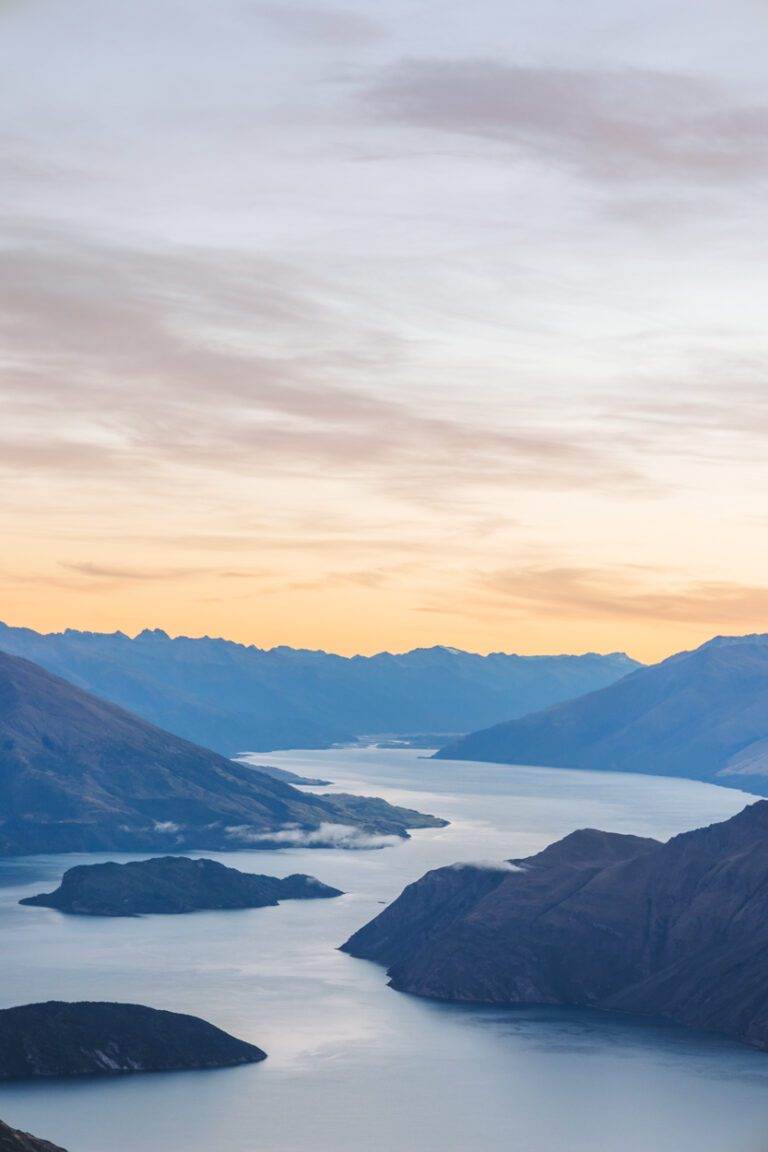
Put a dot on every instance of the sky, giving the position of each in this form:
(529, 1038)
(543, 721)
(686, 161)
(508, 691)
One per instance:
(365, 326)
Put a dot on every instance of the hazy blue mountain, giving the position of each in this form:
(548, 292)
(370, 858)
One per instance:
(601, 920)
(237, 698)
(700, 714)
(78, 774)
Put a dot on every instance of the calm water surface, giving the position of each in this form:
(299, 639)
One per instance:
(352, 1064)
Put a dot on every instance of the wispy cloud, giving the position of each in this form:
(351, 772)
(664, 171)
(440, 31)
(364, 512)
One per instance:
(340, 309)
(324, 836)
(361, 578)
(122, 574)
(626, 594)
(147, 377)
(489, 865)
(335, 27)
(622, 125)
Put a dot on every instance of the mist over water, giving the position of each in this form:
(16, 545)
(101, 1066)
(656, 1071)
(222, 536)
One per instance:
(353, 1065)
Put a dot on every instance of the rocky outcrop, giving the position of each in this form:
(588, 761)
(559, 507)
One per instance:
(700, 714)
(283, 773)
(80, 775)
(12, 1140)
(676, 930)
(104, 1039)
(172, 884)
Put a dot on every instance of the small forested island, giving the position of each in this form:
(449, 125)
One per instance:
(676, 930)
(12, 1140)
(103, 1039)
(172, 884)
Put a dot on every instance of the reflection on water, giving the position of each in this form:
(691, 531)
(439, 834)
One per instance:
(354, 1065)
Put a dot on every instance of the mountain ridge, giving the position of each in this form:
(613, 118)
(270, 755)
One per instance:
(235, 697)
(13, 1140)
(676, 930)
(78, 773)
(700, 714)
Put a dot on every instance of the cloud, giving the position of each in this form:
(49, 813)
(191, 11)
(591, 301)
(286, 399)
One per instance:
(324, 836)
(620, 125)
(625, 594)
(330, 26)
(489, 865)
(168, 826)
(173, 363)
(129, 575)
(304, 540)
(361, 578)
(718, 409)
(283, 270)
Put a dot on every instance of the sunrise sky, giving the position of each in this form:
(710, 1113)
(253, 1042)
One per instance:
(359, 326)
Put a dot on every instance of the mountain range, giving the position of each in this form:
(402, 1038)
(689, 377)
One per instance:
(676, 930)
(236, 698)
(78, 774)
(700, 714)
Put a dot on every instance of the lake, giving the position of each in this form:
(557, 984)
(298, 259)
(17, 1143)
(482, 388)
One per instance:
(353, 1065)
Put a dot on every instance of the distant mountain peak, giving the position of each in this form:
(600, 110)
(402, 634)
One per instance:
(230, 696)
(753, 638)
(701, 714)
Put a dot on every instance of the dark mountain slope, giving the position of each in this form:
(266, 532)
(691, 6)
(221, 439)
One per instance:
(700, 714)
(237, 698)
(12, 1140)
(78, 774)
(676, 930)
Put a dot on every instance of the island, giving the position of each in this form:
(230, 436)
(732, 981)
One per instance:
(676, 930)
(104, 1039)
(172, 884)
(12, 1140)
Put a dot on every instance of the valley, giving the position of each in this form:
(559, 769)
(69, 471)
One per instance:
(367, 1062)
